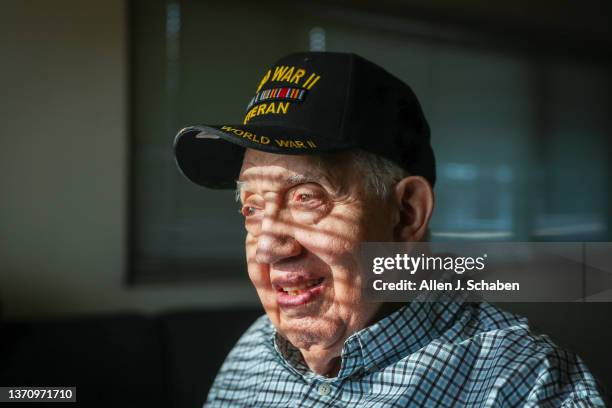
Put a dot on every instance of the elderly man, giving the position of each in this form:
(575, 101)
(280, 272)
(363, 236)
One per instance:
(335, 151)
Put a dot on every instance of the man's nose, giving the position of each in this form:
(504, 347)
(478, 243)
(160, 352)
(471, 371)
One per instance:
(276, 240)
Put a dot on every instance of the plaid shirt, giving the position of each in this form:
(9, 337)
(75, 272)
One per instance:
(426, 354)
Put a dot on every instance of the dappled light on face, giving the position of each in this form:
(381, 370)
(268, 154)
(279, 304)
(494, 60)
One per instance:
(302, 245)
(291, 249)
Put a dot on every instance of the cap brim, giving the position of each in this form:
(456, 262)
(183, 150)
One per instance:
(211, 155)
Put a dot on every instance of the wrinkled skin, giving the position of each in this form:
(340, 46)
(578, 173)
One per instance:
(304, 223)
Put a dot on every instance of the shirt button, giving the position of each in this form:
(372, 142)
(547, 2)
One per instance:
(324, 389)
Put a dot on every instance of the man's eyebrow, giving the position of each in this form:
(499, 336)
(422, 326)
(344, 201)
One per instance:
(302, 179)
(288, 182)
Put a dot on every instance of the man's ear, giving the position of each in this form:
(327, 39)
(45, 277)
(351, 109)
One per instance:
(414, 199)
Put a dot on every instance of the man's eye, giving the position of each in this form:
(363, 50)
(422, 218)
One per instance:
(304, 197)
(306, 200)
(249, 211)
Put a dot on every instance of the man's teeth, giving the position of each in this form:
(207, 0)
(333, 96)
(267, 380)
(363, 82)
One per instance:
(296, 290)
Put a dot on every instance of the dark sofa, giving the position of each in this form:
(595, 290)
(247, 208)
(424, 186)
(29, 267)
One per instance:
(127, 360)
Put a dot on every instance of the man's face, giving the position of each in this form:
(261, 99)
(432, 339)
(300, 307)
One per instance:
(304, 225)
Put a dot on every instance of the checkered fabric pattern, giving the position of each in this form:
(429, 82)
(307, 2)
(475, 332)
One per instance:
(427, 354)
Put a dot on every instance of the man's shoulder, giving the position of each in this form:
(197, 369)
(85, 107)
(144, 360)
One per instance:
(259, 329)
(503, 342)
(499, 354)
(490, 326)
(490, 317)
(250, 363)
(515, 351)
(254, 340)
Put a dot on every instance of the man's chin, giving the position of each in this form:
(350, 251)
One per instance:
(306, 333)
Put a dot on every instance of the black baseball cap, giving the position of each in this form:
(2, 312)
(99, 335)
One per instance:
(314, 103)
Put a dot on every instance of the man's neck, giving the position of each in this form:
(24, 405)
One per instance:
(328, 362)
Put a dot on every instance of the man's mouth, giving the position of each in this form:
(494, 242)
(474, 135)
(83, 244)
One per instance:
(296, 290)
(293, 294)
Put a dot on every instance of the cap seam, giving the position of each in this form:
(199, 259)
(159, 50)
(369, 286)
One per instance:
(346, 96)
